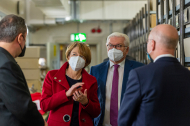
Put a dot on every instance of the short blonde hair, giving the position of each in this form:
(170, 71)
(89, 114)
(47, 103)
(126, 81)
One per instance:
(84, 50)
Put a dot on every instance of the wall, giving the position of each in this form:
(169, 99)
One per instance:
(110, 9)
(34, 16)
(10, 7)
(61, 34)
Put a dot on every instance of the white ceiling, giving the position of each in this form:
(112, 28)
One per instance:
(53, 8)
(46, 3)
(40, 12)
(91, 9)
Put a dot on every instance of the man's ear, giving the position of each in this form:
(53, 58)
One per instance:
(153, 45)
(20, 38)
(127, 50)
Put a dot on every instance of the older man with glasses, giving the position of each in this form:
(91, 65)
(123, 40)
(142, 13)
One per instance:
(112, 77)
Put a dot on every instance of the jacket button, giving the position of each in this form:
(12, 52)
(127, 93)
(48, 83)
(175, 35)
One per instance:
(55, 78)
(66, 118)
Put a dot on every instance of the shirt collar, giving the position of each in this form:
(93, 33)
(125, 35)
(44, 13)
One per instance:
(122, 64)
(164, 55)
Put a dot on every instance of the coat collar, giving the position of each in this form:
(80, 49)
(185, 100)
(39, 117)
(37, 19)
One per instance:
(7, 54)
(105, 67)
(167, 59)
(104, 72)
(163, 55)
(127, 68)
(122, 64)
(60, 77)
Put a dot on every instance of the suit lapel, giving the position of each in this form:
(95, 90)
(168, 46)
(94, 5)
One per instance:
(87, 79)
(127, 68)
(102, 88)
(102, 82)
(60, 78)
(101, 79)
(104, 72)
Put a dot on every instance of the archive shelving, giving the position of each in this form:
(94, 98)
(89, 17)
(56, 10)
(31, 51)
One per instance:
(138, 31)
(139, 28)
(179, 17)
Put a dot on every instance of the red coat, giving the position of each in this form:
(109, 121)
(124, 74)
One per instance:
(54, 98)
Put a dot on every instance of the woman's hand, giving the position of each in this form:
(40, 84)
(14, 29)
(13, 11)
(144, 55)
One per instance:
(80, 97)
(45, 123)
(75, 87)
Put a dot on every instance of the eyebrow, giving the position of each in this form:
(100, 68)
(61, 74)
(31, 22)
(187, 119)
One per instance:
(116, 44)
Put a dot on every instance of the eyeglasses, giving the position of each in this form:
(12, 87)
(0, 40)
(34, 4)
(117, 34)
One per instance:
(118, 46)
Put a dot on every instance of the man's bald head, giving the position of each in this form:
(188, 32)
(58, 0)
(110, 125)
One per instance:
(165, 35)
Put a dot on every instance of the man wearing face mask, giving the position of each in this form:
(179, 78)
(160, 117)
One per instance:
(112, 77)
(16, 106)
(158, 94)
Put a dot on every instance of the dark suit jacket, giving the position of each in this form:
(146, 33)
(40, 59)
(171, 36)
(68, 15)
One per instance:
(157, 95)
(127, 57)
(100, 72)
(16, 106)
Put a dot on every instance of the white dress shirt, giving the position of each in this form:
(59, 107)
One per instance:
(164, 55)
(106, 121)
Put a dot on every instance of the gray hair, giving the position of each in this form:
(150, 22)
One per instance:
(117, 34)
(10, 27)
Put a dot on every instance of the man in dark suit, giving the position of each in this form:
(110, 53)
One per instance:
(158, 94)
(112, 76)
(16, 106)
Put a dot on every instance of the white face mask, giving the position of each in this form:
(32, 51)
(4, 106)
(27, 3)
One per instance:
(115, 54)
(76, 63)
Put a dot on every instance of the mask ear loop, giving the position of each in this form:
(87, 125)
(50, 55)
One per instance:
(149, 52)
(126, 49)
(23, 37)
(20, 47)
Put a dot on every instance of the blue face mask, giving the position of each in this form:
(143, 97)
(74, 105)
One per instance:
(149, 57)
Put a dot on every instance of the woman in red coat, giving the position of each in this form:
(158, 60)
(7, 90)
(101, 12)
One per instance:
(70, 93)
